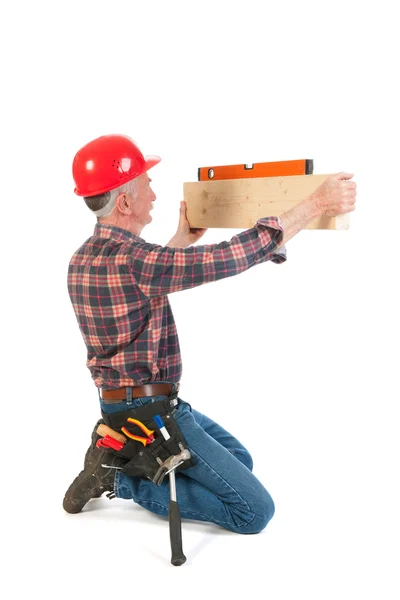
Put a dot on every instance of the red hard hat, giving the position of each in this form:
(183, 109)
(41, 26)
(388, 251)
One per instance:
(108, 162)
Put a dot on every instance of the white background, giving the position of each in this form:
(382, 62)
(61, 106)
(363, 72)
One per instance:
(300, 361)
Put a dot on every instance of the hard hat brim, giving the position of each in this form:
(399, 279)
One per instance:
(151, 161)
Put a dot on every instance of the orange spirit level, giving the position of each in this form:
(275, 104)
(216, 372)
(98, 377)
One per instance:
(266, 169)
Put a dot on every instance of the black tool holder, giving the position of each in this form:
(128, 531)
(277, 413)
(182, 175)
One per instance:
(157, 459)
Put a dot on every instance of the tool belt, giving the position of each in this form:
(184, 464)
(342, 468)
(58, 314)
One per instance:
(153, 460)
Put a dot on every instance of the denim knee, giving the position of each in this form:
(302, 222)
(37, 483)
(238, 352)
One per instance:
(266, 516)
(265, 512)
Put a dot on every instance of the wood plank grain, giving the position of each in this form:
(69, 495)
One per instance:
(239, 203)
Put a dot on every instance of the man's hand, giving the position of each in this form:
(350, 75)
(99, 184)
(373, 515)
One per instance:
(185, 236)
(337, 195)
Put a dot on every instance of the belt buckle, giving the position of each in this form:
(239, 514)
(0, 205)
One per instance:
(174, 402)
(128, 395)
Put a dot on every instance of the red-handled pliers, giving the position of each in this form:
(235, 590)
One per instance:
(144, 440)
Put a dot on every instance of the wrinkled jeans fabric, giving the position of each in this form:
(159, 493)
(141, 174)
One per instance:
(219, 488)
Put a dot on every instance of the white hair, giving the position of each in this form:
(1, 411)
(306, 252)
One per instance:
(111, 197)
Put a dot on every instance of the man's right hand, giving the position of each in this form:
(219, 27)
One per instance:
(336, 196)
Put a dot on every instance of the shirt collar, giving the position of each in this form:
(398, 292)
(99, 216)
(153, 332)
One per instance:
(116, 233)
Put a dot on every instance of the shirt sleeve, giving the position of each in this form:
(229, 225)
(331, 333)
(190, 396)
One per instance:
(161, 270)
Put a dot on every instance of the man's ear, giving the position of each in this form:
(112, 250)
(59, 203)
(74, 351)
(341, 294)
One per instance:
(122, 204)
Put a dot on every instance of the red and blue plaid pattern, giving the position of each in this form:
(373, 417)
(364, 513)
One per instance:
(118, 285)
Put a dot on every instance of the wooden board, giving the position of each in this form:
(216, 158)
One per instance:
(239, 203)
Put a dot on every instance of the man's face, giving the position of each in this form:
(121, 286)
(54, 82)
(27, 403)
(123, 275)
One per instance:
(143, 204)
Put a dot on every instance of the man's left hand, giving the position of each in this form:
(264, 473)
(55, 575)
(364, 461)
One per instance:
(185, 235)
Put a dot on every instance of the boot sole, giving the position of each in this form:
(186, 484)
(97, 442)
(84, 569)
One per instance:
(75, 506)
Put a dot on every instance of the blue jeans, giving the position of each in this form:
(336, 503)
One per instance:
(220, 488)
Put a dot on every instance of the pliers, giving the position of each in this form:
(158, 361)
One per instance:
(144, 440)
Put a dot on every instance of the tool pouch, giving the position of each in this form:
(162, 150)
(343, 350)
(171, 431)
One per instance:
(154, 460)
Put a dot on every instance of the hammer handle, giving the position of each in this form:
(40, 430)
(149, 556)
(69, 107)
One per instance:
(104, 430)
(175, 526)
(175, 533)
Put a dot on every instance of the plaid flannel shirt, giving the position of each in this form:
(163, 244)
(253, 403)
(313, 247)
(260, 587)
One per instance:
(119, 286)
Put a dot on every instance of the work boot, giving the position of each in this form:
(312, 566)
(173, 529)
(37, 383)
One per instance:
(94, 480)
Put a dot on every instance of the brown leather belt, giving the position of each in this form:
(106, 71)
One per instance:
(149, 389)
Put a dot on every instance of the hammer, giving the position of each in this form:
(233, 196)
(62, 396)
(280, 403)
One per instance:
(175, 527)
